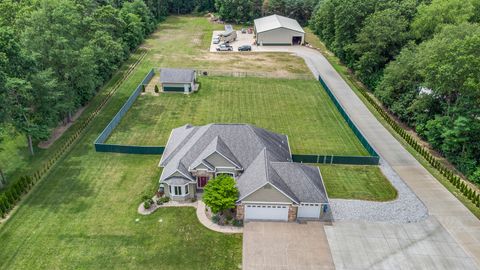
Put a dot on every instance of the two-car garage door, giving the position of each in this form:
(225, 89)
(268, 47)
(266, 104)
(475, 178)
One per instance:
(266, 212)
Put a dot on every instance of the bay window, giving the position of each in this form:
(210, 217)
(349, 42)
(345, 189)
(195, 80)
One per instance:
(178, 190)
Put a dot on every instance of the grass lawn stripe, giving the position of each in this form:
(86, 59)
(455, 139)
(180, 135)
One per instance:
(299, 108)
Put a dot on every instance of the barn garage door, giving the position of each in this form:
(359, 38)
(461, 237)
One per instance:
(266, 212)
(309, 210)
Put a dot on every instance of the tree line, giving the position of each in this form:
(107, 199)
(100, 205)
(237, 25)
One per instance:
(245, 11)
(55, 55)
(421, 60)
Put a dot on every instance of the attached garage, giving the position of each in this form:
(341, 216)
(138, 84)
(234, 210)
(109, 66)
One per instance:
(266, 212)
(278, 30)
(309, 210)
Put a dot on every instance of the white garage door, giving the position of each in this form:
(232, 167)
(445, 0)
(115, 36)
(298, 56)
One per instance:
(266, 212)
(309, 210)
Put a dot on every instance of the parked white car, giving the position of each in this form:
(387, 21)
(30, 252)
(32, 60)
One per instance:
(216, 40)
(224, 47)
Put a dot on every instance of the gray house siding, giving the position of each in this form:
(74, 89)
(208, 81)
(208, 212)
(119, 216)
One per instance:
(267, 194)
(219, 161)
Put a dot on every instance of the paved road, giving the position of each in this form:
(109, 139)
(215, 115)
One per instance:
(281, 245)
(443, 207)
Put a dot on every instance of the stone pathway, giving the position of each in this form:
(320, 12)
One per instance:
(201, 215)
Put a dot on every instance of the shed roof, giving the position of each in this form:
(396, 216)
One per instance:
(276, 21)
(176, 75)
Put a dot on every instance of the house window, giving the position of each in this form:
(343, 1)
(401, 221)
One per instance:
(179, 190)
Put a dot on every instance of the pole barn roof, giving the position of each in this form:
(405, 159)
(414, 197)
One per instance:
(276, 21)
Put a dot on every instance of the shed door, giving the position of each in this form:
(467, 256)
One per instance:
(309, 210)
(266, 212)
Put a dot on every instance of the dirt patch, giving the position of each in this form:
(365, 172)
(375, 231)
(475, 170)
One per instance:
(59, 130)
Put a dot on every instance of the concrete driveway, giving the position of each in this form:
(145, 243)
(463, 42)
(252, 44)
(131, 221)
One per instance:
(285, 246)
(455, 219)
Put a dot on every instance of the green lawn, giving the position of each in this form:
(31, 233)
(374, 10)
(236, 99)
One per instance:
(299, 108)
(180, 41)
(357, 182)
(82, 215)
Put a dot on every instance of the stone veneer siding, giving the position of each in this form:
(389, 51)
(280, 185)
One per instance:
(240, 212)
(292, 213)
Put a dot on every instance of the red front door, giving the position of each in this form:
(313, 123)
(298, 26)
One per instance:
(202, 181)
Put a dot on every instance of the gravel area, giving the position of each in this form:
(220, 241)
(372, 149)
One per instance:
(405, 209)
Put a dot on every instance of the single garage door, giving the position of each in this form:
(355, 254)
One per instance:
(309, 210)
(266, 212)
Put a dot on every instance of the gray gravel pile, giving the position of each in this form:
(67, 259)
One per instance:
(405, 209)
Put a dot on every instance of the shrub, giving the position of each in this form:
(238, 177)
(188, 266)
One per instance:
(156, 89)
(237, 223)
(147, 204)
(215, 219)
(164, 199)
(143, 87)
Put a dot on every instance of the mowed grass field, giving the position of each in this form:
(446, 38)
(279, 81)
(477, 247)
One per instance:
(300, 109)
(180, 41)
(357, 182)
(83, 214)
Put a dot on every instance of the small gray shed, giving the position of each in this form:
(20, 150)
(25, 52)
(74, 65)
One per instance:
(177, 80)
(278, 30)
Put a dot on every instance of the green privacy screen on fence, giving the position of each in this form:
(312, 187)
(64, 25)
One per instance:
(350, 123)
(101, 146)
(352, 160)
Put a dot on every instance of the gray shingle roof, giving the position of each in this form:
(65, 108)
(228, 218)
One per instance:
(176, 75)
(178, 181)
(304, 181)
(264, 157)
(217, 145)
(276, 21)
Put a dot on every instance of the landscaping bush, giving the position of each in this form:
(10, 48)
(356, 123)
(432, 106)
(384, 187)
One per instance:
(164, 199)
(215, 219)
(237, 223)
(146, 204)
(156, 89)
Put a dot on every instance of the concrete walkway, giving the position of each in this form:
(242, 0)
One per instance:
(443, 207)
